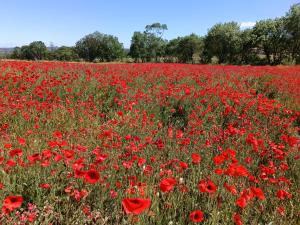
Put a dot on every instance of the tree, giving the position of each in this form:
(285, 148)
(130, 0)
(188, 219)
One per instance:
(271, 37)
(223, 41)
(88, 47)
(138, 47)
(171, 50)
(16, 54)
(155, 44)
(188, 46)
(26, 53)
(37, 50)
(248, 52)
(155, 47)
(65, 54)
(293, 28)
(111, 49)
(101, 46)
(148, 45)
(156, 29)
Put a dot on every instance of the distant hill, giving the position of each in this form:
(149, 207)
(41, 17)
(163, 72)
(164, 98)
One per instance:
(10, 50)
(6, 50)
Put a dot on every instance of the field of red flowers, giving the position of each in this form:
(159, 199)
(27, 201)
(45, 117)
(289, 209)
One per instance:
(150, 144)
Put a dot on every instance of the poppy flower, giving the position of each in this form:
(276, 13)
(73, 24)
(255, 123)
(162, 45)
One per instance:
(230, 188)
(207, 186)
(179, 134)
(183, 165)
(219, 159)
(57, 134)
(91, 176)
(141, 161)
(282, 194)
(167, 185)
(135, 205)
(45, 186)
(170, 132)
(33, 158)
(257, 192)
(197, 216)
(281, 210)
(11, 202)
(21, 141)
(236, 171)
(196, 158)
(241, 202)
(237, 219)
(15, 152)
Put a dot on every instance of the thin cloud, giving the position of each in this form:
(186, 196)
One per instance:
(247, 24)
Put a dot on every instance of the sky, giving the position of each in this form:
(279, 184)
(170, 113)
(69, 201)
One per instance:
(64, 22)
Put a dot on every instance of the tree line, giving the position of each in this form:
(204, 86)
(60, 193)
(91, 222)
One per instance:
(271, 41)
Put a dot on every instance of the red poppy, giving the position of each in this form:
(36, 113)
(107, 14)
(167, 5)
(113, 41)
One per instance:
(141, 161)
(183, 165)
(11, 202)
(45, 186)
(15, 152)
(7, 145)
(282, 194)
(281, 210)
(135, 205)
(69, 154)
(33, 158)
(179, 134)
(237, 219)
(197, 216)
(257, 192)
(219, 159)
(170, 132)
(22, 141)
(196, 158)
(207, 186)
(230, 188)
(236, 171)
(57, 134)
(241, 202)
(91, 176)
(167, 185)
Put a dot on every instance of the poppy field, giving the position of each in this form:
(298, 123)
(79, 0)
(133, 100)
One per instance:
(168, 144)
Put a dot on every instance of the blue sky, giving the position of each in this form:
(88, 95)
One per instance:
(64, 22)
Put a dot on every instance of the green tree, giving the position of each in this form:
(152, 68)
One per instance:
(138, 47)
(188, 47)
(26, 53)
(148, 45)
(248, 51)
(293, 28)
(155, 44)
(271, 37)
(111, 49)
(155, 47)
(99, 46)
(65, 54)
(156, 29)
(223, 41)
(37, 50)
(171, 50)
(16, 54)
